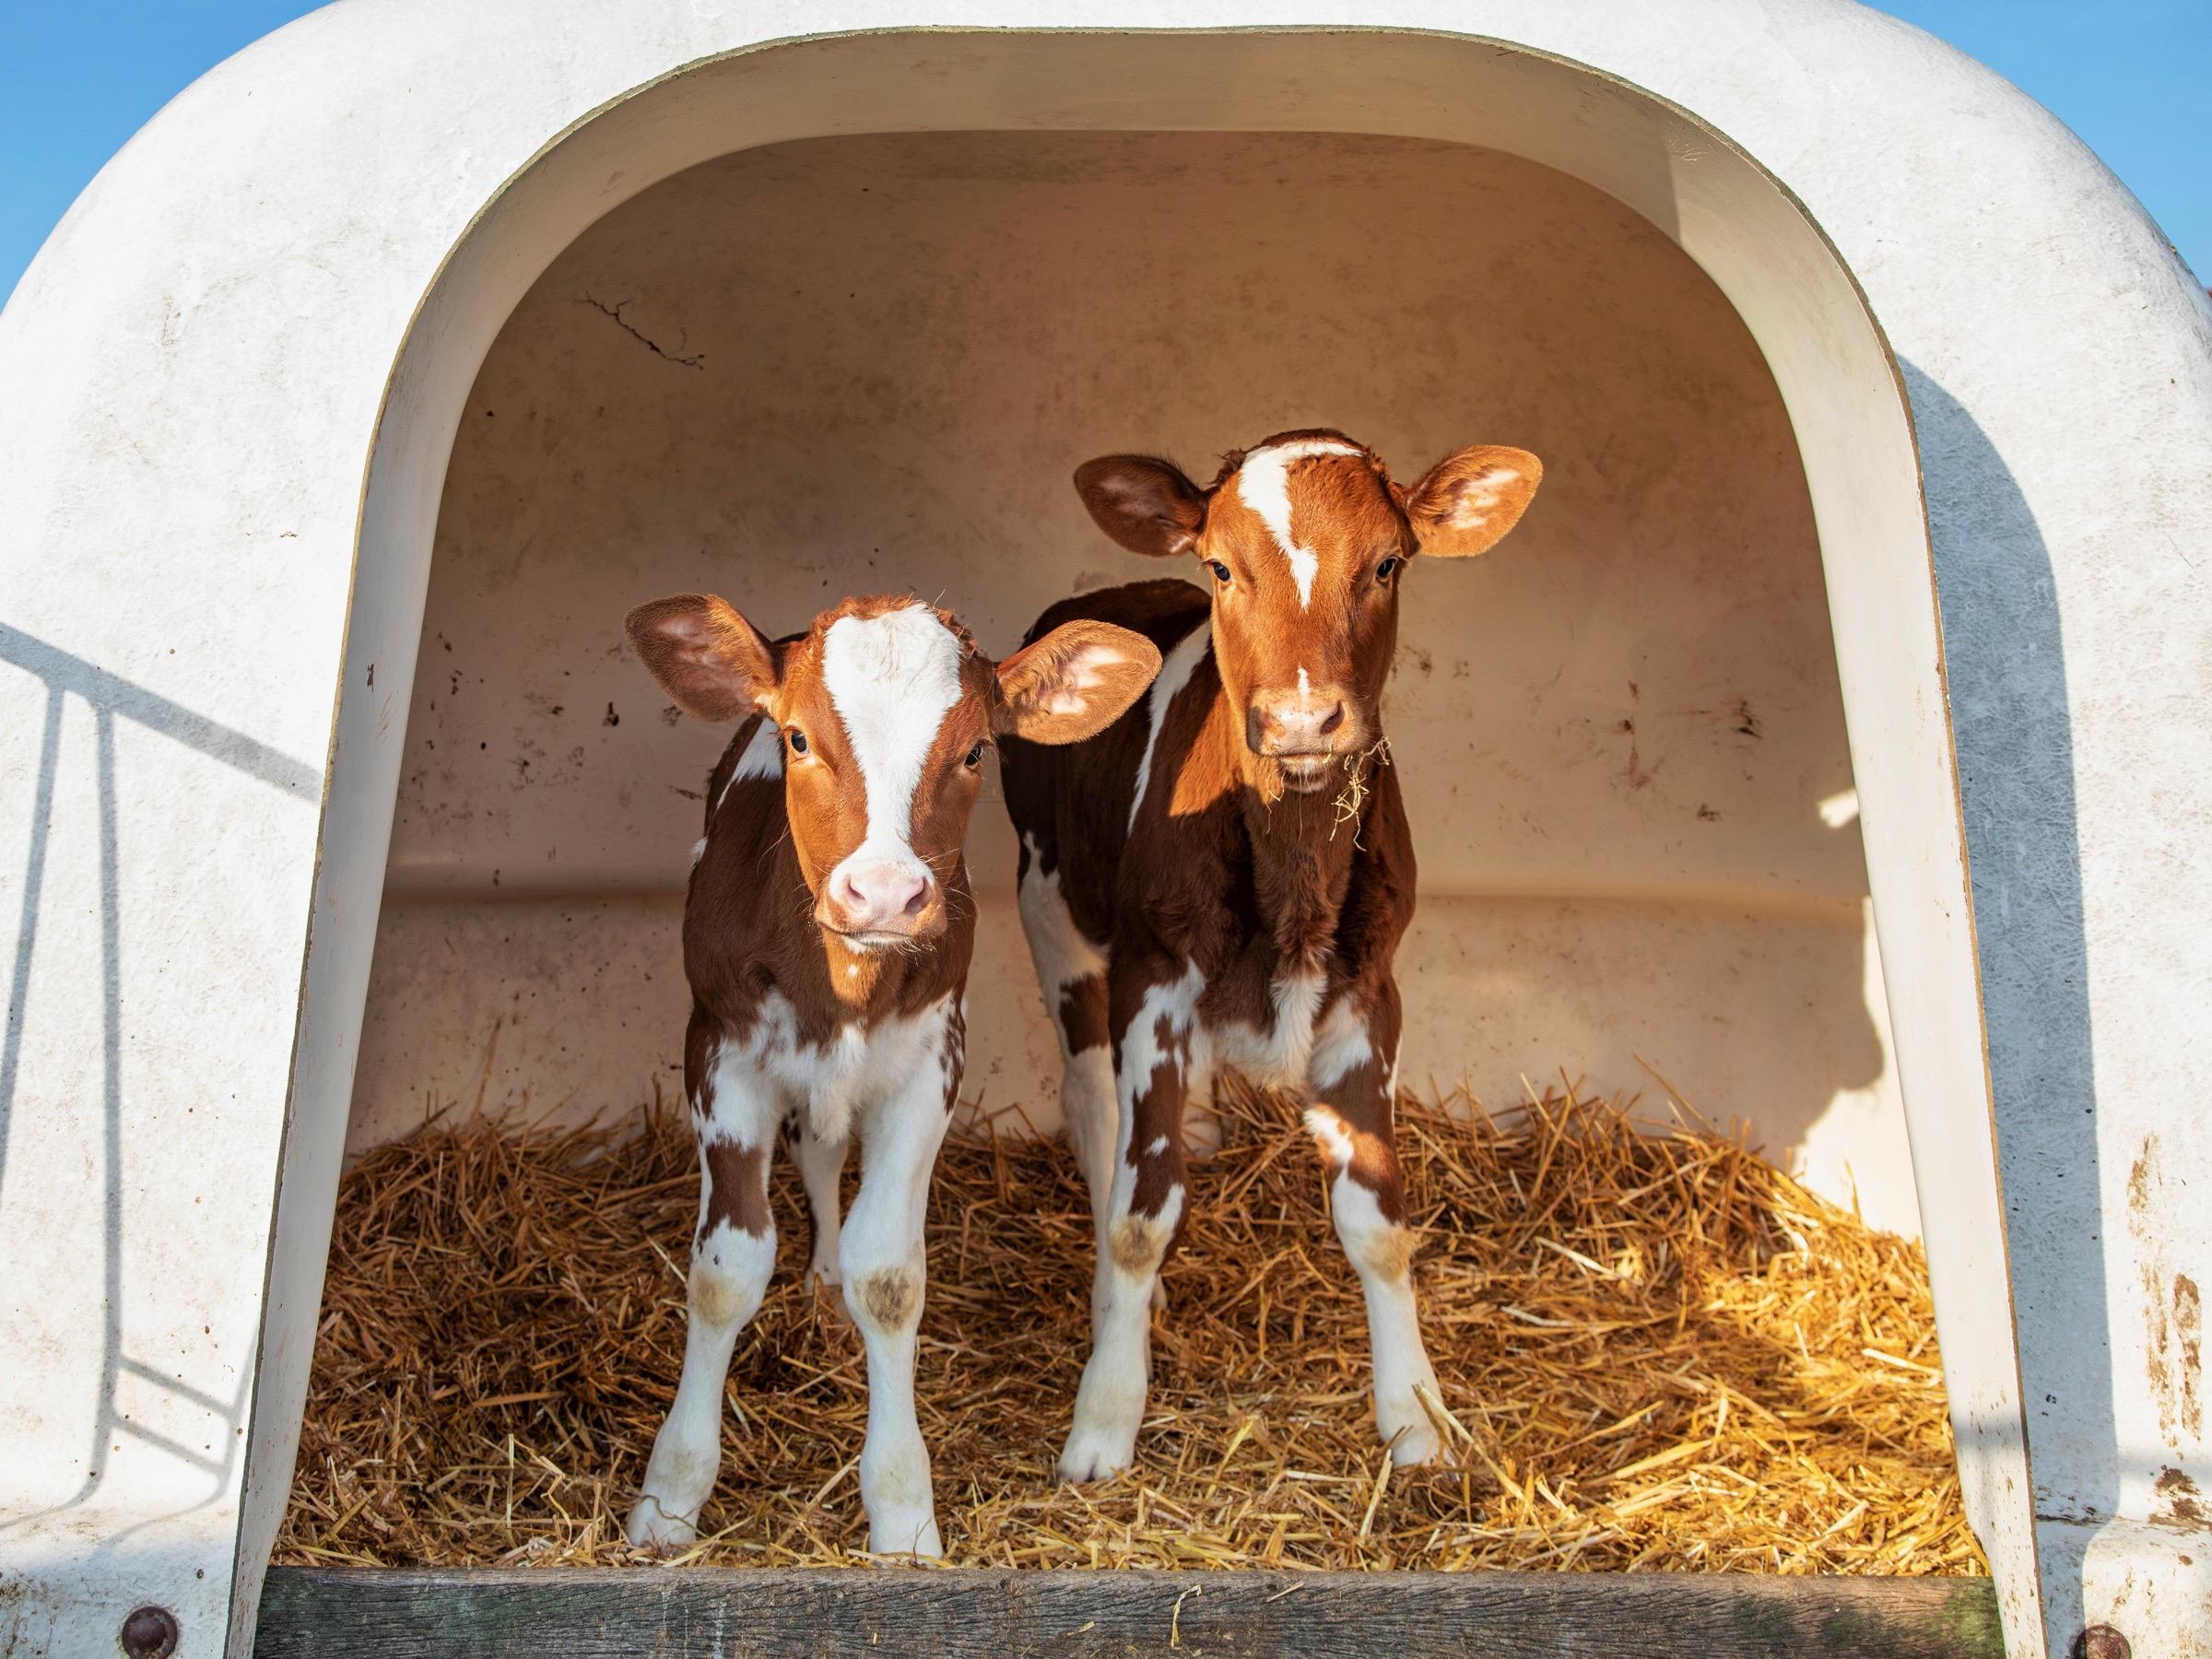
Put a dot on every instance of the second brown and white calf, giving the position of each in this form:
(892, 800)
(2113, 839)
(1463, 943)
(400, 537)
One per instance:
(1223, 874)
(826, 936)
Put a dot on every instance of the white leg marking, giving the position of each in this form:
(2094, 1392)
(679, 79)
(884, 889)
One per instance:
(730, 1270)
(1340, 1045)
(1381, 1251)
(1332, 1135)
(729, 1273)
(746, 1105)
(1110, 1404)
(1173, 1006)
(885, 1278)
(1296, 1000)
(1086, 1102)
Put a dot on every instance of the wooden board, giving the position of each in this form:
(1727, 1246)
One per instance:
(705, 1612)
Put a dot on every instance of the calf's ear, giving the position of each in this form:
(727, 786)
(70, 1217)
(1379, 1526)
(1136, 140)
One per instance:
(1146, 505)
(711, 662)
(1467, 501)
(1073, 683)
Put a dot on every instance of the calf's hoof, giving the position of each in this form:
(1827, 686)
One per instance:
(1096, 1454)
(906, 1535)
(1411, 1437)
(652, 1527)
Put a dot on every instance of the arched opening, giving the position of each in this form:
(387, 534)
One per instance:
(838, 365)
(1830, 373)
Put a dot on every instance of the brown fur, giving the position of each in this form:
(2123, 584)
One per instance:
(755, 919)
(780, 906)
(736, 1187)
(1082, 1013)
(1232, 863)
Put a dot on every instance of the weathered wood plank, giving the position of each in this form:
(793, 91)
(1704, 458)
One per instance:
(702, 1613)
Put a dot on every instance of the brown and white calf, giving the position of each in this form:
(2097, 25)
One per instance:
(826, 935)
(1222, 875)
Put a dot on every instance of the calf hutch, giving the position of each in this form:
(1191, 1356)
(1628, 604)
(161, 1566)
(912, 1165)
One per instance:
(1824, 750)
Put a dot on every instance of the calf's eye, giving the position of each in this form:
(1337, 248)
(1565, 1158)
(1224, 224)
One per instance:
(975, 755)
(798, 740)
(1219, 569)
(1382, 570)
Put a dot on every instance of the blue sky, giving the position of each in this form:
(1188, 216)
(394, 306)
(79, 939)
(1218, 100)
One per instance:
(2131, 77)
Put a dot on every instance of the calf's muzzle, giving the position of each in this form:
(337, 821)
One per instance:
(881, 899)
(1301, 726)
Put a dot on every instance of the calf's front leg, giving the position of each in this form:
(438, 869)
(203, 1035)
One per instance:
(884, 1274)
(1353, 1078)
(1158, 1060)
(733, 1254)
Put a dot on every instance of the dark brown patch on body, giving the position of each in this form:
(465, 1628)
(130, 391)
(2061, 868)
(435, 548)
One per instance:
(1082, 1013)
(1160, 1169)
(736, 1187)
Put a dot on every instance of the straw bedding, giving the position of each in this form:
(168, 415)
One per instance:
(1655, 1350)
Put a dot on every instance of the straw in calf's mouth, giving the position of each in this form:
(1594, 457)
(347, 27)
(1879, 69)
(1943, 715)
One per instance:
(1352, 798)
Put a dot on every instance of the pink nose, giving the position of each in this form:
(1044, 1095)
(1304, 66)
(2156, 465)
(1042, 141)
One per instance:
(1294, 725)
(879, 898)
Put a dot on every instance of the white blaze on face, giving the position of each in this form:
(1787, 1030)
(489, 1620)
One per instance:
(1264, 484)
(893, 680)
